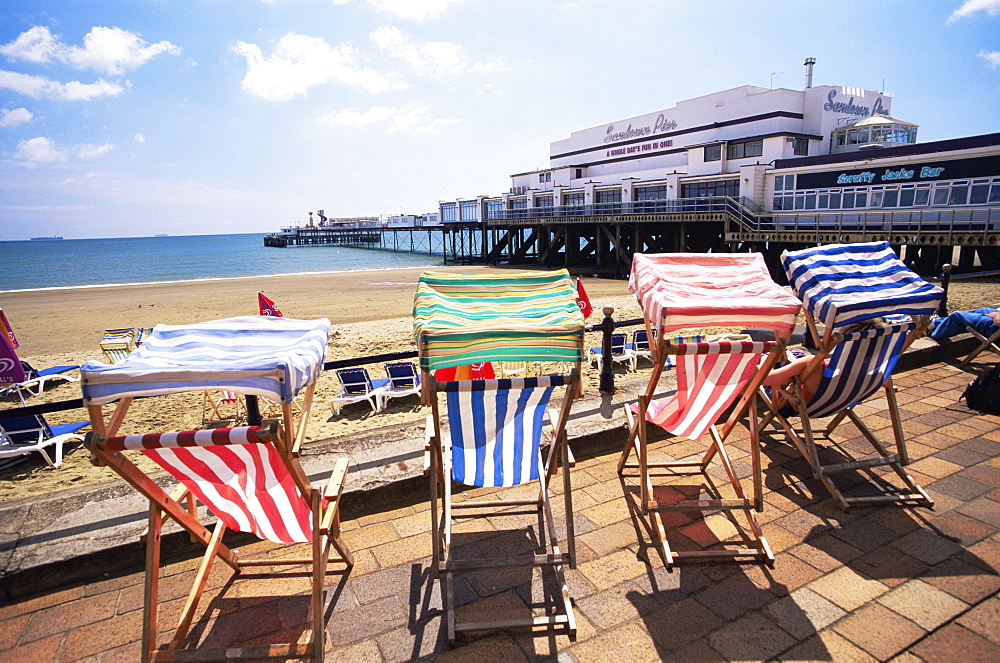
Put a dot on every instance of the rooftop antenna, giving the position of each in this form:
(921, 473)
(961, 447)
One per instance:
(772, 77)
(809, 71)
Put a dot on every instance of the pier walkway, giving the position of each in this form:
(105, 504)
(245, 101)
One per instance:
(876, 583)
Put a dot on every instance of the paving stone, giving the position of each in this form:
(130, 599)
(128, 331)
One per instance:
(608, 646)
(921, 603)
(961, 488)
(956, 643)
(984, 619)
(681, 623)
(983, 509)
(848, 589)
(733, 597)
(927, 546)
(965, 581)
(751, 637)
(879, 631)
(826, 646)
(803, 613)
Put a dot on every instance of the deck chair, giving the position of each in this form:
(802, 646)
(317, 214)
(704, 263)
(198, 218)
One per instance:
(489, 434)
(715, 380)
(222, 406)
(404, 380)
(841, 284)
(116, 344)
(20, 436)
(640, 345)
(989, 343)
(619, 352)
(37, 378)
(141, 334)
(248, 478)
(355, 386)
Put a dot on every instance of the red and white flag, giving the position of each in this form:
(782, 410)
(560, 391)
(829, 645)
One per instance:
(267, 307)
(582, 300)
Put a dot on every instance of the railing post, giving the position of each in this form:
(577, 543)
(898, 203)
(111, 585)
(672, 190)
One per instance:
(607, 384)
(942, 310)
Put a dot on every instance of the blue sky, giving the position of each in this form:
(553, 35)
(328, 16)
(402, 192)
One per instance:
(187, 117)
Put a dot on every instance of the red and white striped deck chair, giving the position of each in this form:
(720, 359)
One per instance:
(248, 478)
(693, 291)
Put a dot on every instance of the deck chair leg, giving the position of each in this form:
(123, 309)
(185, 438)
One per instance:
(198, 586)
(151, 589)
(320, 546)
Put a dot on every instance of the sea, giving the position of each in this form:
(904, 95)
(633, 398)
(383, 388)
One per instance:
(75, 263)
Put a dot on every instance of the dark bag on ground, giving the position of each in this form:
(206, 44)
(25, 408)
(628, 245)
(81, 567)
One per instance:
(983, 393)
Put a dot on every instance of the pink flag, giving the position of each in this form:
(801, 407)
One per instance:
(11, 371)
(267, 307)
(582, 300)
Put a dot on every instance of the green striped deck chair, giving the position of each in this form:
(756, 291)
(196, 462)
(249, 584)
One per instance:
(491, 434)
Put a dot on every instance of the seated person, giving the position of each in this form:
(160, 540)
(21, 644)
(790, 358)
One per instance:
(984, 320)
(783, 375)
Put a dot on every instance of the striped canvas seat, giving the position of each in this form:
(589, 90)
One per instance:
(680, 293)
(858, 367)
(842, 284)
(487, 432)
(242, 481)
(710, 376)
(249, 478)
(496, 428)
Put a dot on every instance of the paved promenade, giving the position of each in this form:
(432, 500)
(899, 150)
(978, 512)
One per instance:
(875, 583)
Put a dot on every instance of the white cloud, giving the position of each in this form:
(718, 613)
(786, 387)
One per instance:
(93, 151)
(437, 59)
(39, 150)
(39, 86)
(415, 119)
(993, 57)
(970, 7)
(12, 118)
(413, 9)
(139, 138)
(110, 50)
(45, 150)
(300, 62)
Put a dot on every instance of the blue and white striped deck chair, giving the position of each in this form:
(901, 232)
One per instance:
(841, 285)
(494, 440)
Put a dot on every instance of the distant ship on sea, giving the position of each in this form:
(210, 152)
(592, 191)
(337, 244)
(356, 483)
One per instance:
(43, 239)
(161, 235)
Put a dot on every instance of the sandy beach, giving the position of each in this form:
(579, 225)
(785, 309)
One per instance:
(370, 313)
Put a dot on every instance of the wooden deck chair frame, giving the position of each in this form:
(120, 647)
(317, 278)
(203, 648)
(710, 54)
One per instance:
(443, 508)
(213, 404)
(325, 519)
(638, 443)
(804, 439)
(989, 343)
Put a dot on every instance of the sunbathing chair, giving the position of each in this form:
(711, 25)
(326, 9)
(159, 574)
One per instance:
(840, 284)
(356, 385)
(404, 380)
(248, 478)
(116, 344)
(215, 404)
(989, 343)
(619, 352)
(36, 378)
(640, 345)
(488, 433)
(141, 334)
(22, 435)
(684, 291)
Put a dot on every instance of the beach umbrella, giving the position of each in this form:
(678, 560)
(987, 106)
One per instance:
(11, 371)
(582, 300)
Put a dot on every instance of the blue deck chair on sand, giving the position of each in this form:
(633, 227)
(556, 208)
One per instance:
(404, 380)
(840, 285)
(38, 377)
(619, 352)
(356, 385)
(22, 435)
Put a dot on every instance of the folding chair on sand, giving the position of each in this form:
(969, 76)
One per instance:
(116, 344)
(685, 291)
(488, 434)
(248, 477)
(20, 436)
(839, 285)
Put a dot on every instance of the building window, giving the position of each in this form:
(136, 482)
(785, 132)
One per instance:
(609, 196)
(715, 188)
(573, 198)
(449, 213)
(800, 147)
(469, 210)
(493, 208)
(753, 148)
(713, 152)
(518, 203)
(541, 177)
(578, 173)
(651, 193)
